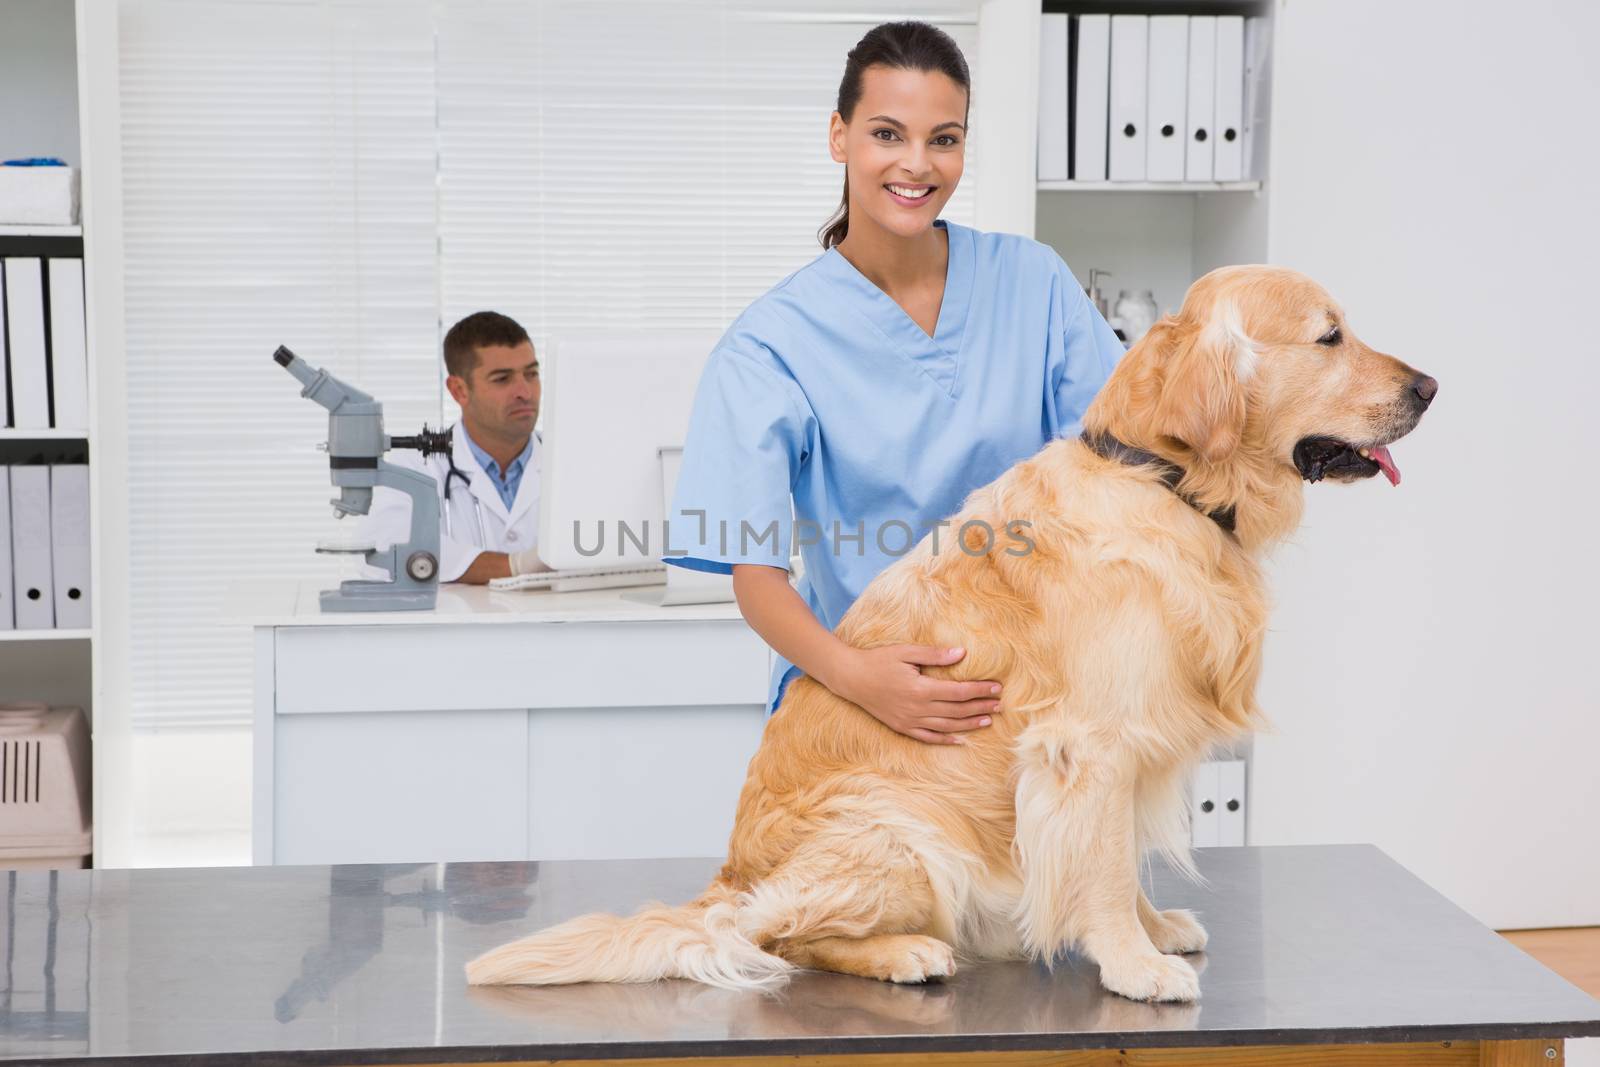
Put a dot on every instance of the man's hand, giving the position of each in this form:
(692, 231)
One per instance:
(888, 682)
(486, 566)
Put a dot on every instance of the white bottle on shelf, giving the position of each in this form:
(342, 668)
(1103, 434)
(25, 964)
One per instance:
(1137, 312)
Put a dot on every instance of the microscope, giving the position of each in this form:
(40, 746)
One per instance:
(356, 444)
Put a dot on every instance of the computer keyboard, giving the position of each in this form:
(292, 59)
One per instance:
(574, 581)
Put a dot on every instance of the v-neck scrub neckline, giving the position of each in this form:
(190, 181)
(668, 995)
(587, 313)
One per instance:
(937, 354)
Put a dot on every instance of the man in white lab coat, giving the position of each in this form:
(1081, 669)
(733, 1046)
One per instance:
(489, 485)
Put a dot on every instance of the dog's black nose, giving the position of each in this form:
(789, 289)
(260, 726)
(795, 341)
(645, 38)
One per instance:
(1424, 387)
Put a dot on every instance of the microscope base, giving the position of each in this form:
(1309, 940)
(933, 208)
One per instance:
(357, 595)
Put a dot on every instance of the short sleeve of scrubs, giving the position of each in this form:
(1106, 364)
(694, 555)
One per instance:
(1080, 357)
(750, 432)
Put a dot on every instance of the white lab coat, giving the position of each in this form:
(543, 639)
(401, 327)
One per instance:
(515, 531)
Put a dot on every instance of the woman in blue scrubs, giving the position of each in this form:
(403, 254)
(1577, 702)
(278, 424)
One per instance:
(873, 389)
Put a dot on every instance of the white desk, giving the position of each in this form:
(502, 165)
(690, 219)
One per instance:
(528, 725)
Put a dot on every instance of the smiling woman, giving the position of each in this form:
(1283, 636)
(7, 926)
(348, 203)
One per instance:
(869, 392)
(903, 62)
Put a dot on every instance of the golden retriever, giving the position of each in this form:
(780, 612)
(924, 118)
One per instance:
(1127, 639)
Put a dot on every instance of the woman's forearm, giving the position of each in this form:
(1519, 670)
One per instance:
(775, 611)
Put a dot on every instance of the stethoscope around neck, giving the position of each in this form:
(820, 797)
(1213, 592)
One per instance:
(466, 479)
(477, 505)
(434, 442)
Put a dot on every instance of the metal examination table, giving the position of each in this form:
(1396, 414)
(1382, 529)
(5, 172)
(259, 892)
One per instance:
(1329, 954)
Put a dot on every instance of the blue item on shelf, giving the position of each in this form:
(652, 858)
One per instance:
(35, 161)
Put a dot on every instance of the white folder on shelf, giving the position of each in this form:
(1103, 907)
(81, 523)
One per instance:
(33, 592)
(69, 544)
(1201, 103)
(1228, 164)
(1205, 825)
(1168, 86)
(1129, 41)
(1257, 74)
(1053, 98)
(1091, 92)
(30, 383)
(69, 352)
(1230, 802)
(6, 615)
(5, 361)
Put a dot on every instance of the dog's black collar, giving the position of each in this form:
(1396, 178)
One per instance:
(1103, 444)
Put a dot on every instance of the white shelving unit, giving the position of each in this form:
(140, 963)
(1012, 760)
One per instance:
(1161, 236)
(57, 666)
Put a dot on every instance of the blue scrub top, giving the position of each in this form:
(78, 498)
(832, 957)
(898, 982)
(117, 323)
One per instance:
(824, 396)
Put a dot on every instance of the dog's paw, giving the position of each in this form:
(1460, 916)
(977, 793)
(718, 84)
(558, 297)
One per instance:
(1177, 930)
(1151, 978)
(916, 958)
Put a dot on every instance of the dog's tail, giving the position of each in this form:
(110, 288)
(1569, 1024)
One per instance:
(700, 940)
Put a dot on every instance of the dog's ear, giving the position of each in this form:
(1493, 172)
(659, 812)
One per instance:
(1201, 400)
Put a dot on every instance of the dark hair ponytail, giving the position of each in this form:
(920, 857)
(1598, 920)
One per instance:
(900, 46)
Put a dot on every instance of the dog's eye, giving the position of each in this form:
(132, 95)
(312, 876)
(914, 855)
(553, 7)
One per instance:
(1330, 338)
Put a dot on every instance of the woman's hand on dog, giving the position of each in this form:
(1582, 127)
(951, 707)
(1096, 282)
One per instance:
(888, 682)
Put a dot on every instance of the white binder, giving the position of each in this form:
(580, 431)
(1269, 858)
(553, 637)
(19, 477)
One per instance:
(1230, 802)
(34, 594)
(6, 620)
(69, 544)
(5, 359)
(1091, 98)
(30, 384)
(1053, 98)
(1129, 40)
(1168, 86)
(1257, 73)
(1202, 108)
(69, 353)
(1204, 811)
(1228, 165)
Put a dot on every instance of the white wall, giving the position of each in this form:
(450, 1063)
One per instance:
(38, 80)
(1431, 666)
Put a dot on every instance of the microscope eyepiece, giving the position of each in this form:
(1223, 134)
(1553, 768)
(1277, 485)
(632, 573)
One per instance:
(428, 442)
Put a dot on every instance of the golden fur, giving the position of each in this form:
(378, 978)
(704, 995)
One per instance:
(1128, 643)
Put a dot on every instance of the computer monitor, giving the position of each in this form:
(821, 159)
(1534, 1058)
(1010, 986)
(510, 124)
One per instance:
(616, 412)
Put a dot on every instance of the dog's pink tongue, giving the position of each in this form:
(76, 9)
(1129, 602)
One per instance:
(1380, 456)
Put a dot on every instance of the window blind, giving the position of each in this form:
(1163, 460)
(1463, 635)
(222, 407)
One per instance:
(279, 166)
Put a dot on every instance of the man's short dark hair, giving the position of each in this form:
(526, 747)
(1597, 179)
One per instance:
(481, 329)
